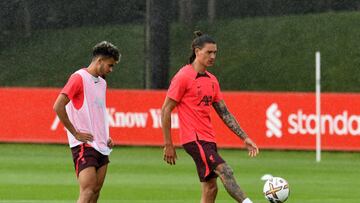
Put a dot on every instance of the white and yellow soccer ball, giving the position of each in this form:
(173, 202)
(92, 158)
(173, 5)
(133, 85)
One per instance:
(276, 190)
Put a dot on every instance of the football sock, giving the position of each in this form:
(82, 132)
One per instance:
(247, 200)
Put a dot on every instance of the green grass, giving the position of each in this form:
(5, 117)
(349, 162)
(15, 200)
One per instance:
(44, 173)
(264, 53)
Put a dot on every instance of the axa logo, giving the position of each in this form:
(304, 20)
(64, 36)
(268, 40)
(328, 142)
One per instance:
(273, 122)
(206, 99)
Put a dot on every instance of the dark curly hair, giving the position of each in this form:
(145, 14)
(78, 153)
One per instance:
(106, 49)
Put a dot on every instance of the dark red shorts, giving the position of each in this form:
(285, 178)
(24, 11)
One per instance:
(206, 158)
(85, 156)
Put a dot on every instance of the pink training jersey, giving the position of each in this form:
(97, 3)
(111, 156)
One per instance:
(195, 94)
(86, 109)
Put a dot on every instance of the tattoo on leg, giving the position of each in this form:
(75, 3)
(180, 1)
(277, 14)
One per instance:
(227, 178)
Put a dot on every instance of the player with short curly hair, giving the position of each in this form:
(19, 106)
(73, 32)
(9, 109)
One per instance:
(81, 108)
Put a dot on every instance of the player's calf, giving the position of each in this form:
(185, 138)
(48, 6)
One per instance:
(227, 178)
(209, 191)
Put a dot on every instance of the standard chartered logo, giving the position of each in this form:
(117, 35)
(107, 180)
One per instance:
(301, 123)
(273, 122)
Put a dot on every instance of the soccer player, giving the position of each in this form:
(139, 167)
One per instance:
(81, 108)
(193, 90)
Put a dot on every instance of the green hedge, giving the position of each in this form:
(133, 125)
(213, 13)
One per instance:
(263, 54)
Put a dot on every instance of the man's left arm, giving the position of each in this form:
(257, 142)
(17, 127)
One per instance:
(231, 122)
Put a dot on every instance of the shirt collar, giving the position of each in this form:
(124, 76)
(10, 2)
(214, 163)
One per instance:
(197, 75)
(202, 75)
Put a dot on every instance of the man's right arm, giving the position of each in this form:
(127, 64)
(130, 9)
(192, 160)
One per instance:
(169, 149)
(59, 108)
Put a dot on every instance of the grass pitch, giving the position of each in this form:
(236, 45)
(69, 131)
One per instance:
(44, 173)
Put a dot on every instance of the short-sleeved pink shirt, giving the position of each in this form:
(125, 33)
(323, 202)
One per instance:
(195, 94)
(74, 90)
(87, 109)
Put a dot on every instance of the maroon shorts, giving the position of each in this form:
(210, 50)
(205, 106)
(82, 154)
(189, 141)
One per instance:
(206, 158)
(85, 156)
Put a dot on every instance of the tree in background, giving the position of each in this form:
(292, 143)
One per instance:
(26, 17)
(157, 44)
(186, 12)
(15, 20)
(211, 10)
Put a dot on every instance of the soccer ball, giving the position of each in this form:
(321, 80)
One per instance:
(276, 190)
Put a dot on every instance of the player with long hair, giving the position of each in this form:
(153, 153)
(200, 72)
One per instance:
(193, 90)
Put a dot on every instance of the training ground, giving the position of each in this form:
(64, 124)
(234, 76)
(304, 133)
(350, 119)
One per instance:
(44, 173)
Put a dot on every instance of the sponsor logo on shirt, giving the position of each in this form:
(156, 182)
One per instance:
(206, 99)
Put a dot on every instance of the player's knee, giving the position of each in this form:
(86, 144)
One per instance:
(228, 171)
(211, 189)
(95, 197)
(88, 192)
(98, 188)
(224, 170)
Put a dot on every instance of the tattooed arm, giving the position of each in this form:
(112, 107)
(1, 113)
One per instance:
(229, 119)
(234, 126)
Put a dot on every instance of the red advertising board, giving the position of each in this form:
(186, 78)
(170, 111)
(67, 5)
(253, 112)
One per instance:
(273, 120)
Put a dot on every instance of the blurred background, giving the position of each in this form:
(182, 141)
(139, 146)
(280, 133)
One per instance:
(263, 44)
